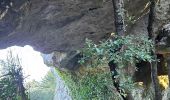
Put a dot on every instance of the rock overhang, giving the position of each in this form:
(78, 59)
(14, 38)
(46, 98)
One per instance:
(63, 25)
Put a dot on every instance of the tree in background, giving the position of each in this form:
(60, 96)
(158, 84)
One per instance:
(11, 79)
(44, 90)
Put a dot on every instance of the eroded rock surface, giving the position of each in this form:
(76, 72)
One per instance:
(59, 25)
(63, 25)
(62, 91)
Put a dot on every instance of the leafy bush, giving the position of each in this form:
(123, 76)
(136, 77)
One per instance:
(11, 79)
(98, 85)
(124, 51)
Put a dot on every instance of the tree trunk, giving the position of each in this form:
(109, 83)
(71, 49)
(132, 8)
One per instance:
(154, 77)
(154, 74)
(21, 89)
(168, 65)
(118, 6)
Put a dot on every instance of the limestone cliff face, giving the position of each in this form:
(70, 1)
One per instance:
(61, 90)
(63, 25)
(59, 25)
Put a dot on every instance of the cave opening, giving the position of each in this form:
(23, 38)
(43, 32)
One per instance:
(24, 74)
(31, 61)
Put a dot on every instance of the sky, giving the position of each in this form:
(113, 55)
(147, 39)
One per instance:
(31, 61)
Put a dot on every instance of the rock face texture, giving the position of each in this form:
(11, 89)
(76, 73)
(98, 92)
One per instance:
(58, 25)
(63, 25)
(62, 91)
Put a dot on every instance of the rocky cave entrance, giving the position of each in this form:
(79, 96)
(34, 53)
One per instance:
(31, 61)
(39, 80)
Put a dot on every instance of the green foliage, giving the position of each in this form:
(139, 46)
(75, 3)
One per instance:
(7, 88)
(48, 81)
(11, 77)
(89, 86)
(123, 51)
(43, 90)
(129, 19)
